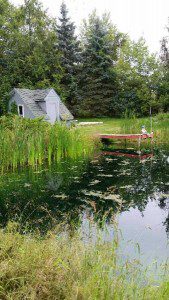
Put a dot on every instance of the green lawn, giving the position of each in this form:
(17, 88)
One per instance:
(160, 125)
(114, 125)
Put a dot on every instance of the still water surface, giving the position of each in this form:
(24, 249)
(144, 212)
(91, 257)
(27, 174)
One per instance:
(133, 191)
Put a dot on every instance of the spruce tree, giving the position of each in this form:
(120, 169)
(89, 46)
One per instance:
(98, 78)
(164, 86)
(69, 49)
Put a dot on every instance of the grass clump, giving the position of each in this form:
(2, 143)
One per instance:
(32, 142)
(132, 124)
(63, 267)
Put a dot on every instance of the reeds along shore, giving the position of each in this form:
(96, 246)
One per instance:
(33, 142)
(63, 267)
(129, 125)
(159, 124)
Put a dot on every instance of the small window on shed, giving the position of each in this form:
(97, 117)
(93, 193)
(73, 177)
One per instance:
(20, 110)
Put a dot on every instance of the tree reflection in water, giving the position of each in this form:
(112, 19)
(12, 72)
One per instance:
(100, 188)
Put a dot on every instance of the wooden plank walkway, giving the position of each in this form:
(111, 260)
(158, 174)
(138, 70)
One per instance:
(89, 123)
(126, 136)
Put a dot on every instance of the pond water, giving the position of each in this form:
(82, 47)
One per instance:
(85, 195)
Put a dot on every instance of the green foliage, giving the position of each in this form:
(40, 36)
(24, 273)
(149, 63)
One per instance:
(69, 50)
(131, 124)
(101, 73)
(63, 267)
(164, 86)
(32, 142)
(14, 108)
(28, 57)
(138, 76)
(98, 78)
(161, 117)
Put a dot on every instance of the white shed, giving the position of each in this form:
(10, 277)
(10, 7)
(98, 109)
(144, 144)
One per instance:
(44, 103)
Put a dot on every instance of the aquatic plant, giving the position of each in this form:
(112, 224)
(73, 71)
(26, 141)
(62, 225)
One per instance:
(33, 142)
(64, 267)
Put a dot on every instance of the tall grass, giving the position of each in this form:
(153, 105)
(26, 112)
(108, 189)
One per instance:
(132, 124)
(63, 267)
(33, 142)
(160, 127)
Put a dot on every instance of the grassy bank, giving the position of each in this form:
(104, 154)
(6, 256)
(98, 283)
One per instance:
(160, 126)
(32, 142)
(66, 268)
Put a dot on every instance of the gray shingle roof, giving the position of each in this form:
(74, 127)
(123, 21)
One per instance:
(31, 99)
(65, 114)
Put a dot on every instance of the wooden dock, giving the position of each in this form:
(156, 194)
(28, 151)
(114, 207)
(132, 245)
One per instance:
(126, 136)
(89, 123)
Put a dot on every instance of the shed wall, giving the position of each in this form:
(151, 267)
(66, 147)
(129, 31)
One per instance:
(27, 113)
(52, 106)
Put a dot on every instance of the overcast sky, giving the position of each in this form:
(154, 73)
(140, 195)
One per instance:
(146, 18)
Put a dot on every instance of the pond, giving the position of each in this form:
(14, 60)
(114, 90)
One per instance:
(116, 186)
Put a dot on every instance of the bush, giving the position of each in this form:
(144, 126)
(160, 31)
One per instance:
(162, 116)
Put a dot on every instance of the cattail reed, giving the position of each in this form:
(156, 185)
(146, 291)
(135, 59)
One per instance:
(33, 142)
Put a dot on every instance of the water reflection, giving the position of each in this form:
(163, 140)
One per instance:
(99, 189)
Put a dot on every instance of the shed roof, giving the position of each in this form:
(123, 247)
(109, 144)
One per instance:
(32, 97)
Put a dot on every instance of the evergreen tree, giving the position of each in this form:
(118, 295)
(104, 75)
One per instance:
(164, 86)
(98, 78)
(68, 46)
(105, 75)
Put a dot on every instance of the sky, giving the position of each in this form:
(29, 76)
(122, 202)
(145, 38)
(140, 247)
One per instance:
(146, 18)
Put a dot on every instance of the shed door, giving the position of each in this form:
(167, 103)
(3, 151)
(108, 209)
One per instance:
(52, 112)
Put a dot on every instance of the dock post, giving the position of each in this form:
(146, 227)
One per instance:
(139, 145)
(125, 143)
(152, 142)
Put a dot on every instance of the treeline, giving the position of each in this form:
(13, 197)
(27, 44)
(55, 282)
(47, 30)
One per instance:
(100, 73)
